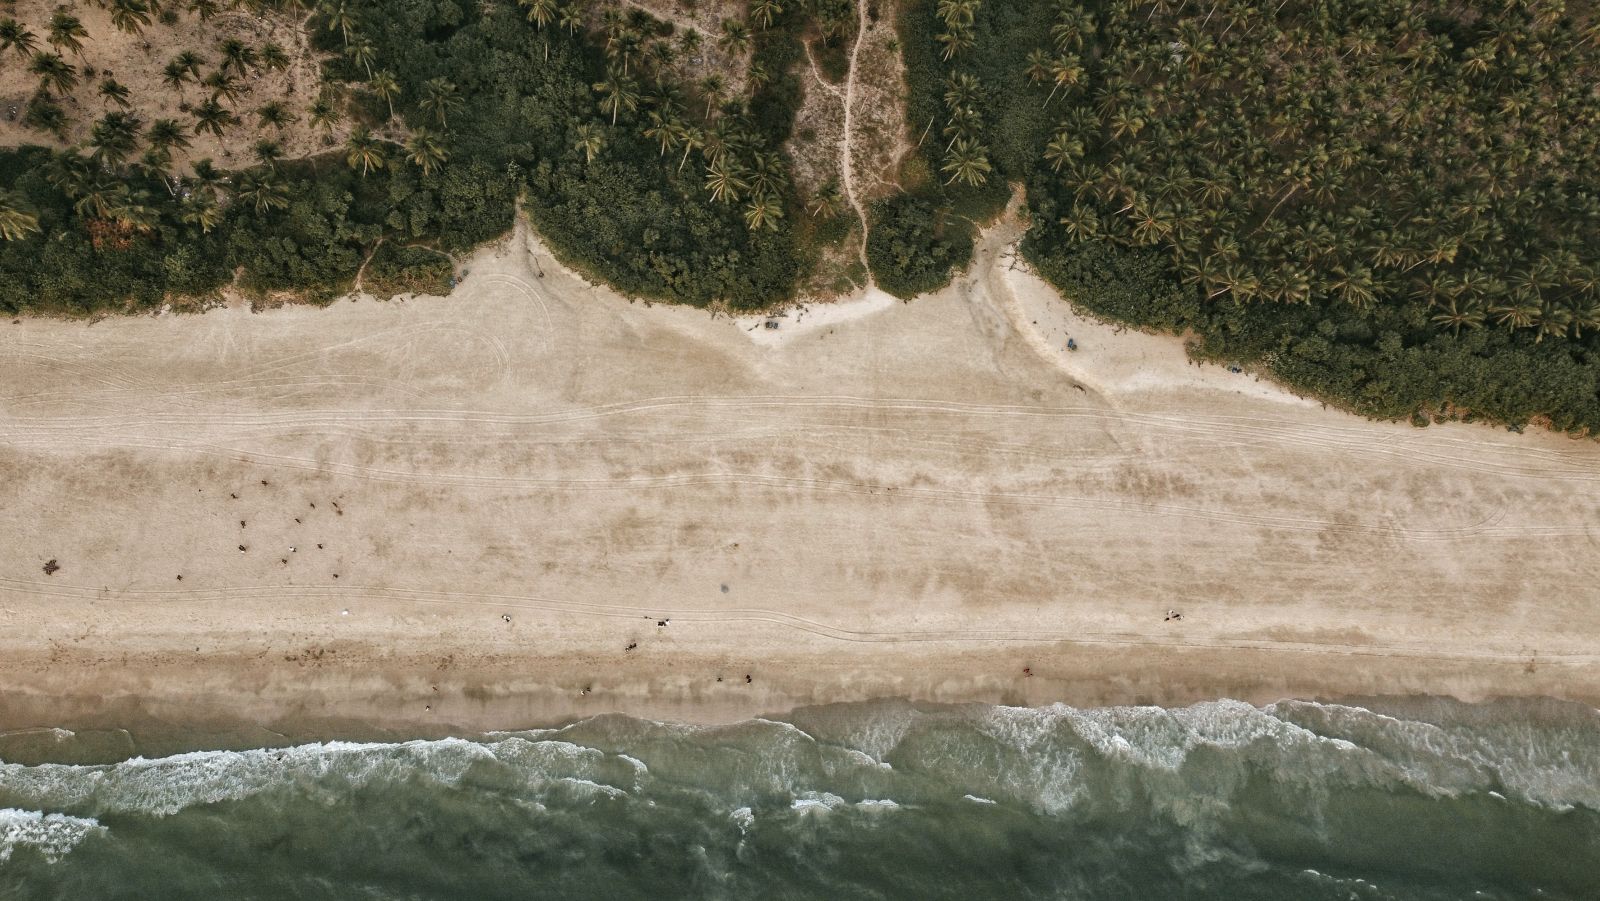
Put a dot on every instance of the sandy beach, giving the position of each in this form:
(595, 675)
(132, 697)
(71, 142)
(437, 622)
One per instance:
(534, 500)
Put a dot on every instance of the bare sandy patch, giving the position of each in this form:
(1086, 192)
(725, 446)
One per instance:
(137, 61)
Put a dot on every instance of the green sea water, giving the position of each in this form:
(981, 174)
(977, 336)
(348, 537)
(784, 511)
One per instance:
(1394, 799)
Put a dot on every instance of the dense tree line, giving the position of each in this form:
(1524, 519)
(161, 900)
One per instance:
(1388, 204)
(665, 188)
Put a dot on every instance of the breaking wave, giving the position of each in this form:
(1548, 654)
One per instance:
(1404, 799)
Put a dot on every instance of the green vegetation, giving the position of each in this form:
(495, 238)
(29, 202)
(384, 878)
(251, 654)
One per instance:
(1388, 204)
(1391, 205)
(667, 190)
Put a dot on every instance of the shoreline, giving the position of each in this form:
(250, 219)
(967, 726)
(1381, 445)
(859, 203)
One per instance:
(496, 493)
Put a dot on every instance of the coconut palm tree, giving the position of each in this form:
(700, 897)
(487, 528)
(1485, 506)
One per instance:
(618, 92)
(764, 11)
(16, 37)
(425, 151)
(114, 91)
(274, 58)
(213, 117)
(201, 209)
(828, 202)
(735, 37)
(967, 163)
(238, 56)
(663, 130)
(361, 52)
(591, 140)
(17, 218)
(114, 137)
(131, 16)
(341, 17)
(362, 149)
(267, 152)
(1457, 313)
(957, 40)
(386, 86)
(221, 84)
(438, 99)
(66, 32)
(276, 114)
(324, 114)
(1080, 222)
(166, 134)
(262, 192)
(55, 73)
(46, 115)
(725, 180)
(763, 212)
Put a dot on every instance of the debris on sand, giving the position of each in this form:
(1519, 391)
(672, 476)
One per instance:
(51, 566)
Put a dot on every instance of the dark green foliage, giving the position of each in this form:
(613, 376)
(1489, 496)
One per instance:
(914, 245)
(1386, 204)
(396, 269)
(636, 216)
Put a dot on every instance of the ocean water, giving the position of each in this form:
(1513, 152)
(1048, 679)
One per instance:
(1398, 799)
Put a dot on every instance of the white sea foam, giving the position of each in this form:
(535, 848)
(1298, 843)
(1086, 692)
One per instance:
(744, 818)
(53, 835)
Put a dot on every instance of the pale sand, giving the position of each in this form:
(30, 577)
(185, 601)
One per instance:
(918, 501)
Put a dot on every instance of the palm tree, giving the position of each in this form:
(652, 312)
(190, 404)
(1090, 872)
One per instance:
(619, 92)
(712, 87)
(263, 192)
(222, 85)
(735, 37)
(1081, 222)
(213, 117)
(1063, 149)
(237, 55)
(131, 16)
(16, 37)
(956, 11)
(768, 175)
(540, 12)
(324, 114)
(967, 163)
(663, 130)
(571, 16)
(828, 202)
(274, 58)
(267, 152)
(114, 137)
(174, 75)
(115, 92)
(54, 72)
(385, 85)
(66, 32)
(764, 211)
(361, 52)
(46, 115)
(1065, 72)
(957, 40)
(764, 11)
(166, 134)
(424, 150)
(590, 141)
(962, 90)
(439, 98)
(203, 9)
(341, 18)
(202, 209)
(188, 62)
(362, 149)
(1458, 313)
(17, 218)
(725, 179)
(275, 114)
(693, 139)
